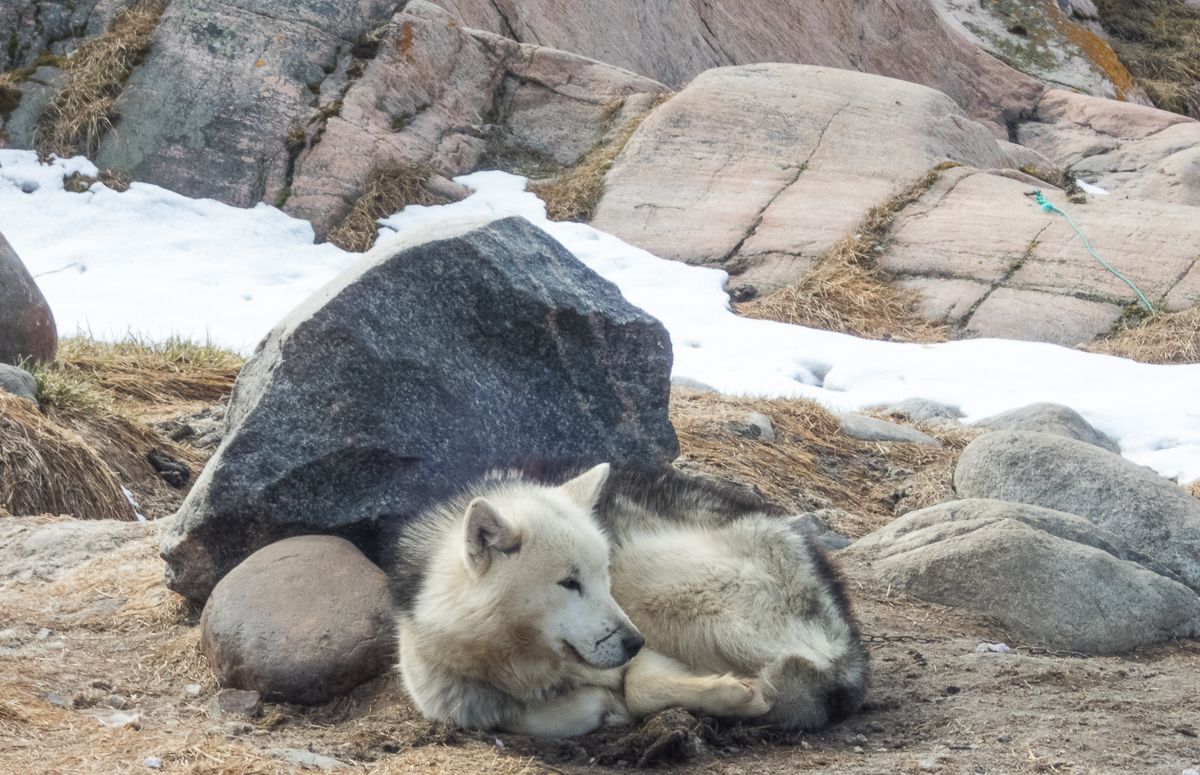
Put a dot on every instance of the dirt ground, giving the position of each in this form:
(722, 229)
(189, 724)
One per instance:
(89, 632)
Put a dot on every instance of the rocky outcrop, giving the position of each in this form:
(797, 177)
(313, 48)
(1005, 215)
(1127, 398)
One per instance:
(1059, 43)
(1149, 513)
(26, 323)
(437, 92)
(29, 27)
(303, 620)
(676, 41)
(990, 263)
(1049, 577)
(1129, 150)
(295, 105)
(758, 170)
(445, 352)
(1056, 419)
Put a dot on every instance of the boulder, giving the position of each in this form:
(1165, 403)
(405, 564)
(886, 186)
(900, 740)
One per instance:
(902, 39)
(424, 96)
(1050, 418)
(1131, 151)
(303, 620)
(1151, 514)
(447, 351)
(29, 27)
(1050, 578)
(759, 170)
(18, 382)
(295, 103)
(989, 262)
(859, 426)
(17, 121)
(26, 323)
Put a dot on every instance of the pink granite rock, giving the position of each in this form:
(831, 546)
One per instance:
(760, 169)
(674, 41)
(1131, 150)
(430, 95)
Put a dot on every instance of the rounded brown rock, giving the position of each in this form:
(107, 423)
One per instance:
(302, 620)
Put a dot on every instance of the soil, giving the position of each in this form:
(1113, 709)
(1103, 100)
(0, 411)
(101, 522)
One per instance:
(88, 631)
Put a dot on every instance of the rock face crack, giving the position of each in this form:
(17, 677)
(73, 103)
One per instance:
(1012, 269)
(710, 35)
(800, 171)
(506, 26)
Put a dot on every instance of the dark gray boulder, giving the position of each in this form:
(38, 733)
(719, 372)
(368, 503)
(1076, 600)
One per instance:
(1048, 577)
(26, 323)
(1051, 418)
(303, 620)
(449, 350)
(1151, 514)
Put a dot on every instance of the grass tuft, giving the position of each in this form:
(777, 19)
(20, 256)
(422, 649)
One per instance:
(847, 291)
(811, 465)
(387, 190)
(85, 107)
(1172, 337)
(1159, 42)
(79, 184)
(573, 194)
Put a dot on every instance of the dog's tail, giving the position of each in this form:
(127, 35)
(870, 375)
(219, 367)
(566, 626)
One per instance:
(807, 697)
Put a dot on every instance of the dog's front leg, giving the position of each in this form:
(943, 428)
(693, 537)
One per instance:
(654, 682)
(576, 713)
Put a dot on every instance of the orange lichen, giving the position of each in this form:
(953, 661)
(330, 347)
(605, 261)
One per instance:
(405, 41)
(1097, 51)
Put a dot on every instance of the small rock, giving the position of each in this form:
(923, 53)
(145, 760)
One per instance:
(1004, 739)
(859, 426)
(303, 620)
(153, 762)
(54, 698)
(234, 702)
(115, 701)
(192, 689)
(18, 382)
(308, 759)
(928, 765)
(44, 633)
(924, 410)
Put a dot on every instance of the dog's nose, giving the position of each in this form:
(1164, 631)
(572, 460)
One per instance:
(632, 644)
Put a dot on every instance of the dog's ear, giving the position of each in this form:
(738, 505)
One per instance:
(585, 488)
(486, 530)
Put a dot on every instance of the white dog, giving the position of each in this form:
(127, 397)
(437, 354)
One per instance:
(508, 616)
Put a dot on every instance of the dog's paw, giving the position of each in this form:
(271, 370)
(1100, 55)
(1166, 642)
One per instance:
(738, 697)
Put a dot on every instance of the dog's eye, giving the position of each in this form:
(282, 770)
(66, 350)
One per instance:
(571, 584)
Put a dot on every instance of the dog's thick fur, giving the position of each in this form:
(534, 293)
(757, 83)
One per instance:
(507, 616)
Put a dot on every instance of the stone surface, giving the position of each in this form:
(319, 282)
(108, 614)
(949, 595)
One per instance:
(674, 41)
(432, 94)
(17, 125)
(1051, 418)
(924, 410)
(991, 263)
(1048, 577)
(49, 548)
(1129, 150)
(26, 323)
(1151, 514)
(447, 351)
(1059, 43)
(303, 620)
(29, 27)
(18, 382)
(760, 169)
(235, 702)
(859, 426)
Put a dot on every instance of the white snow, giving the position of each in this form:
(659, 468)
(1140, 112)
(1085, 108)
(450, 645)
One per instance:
(157, 263)
(1088, 188)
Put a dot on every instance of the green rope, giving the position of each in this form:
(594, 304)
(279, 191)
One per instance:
(1041, 200)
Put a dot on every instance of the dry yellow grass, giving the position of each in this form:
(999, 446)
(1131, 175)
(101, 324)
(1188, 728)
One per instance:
(847, 292)
(46, 468)
(1159, 41)
(387, 190)
(1172, 337)
(811, 465)
(83, 111)
(574, 194)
